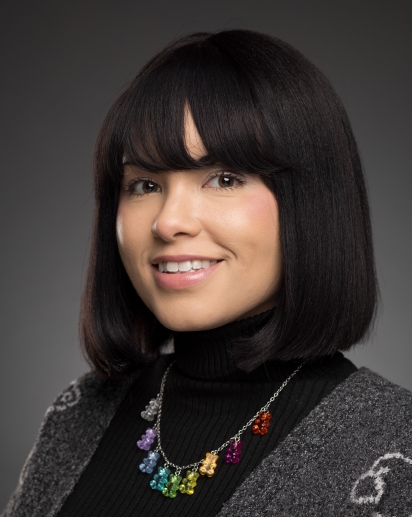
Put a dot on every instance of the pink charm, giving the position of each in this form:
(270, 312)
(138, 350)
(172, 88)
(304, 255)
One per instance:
(147, 439)
(233, 452)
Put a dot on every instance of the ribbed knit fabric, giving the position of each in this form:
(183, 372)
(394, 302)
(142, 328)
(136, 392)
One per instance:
(207, 400)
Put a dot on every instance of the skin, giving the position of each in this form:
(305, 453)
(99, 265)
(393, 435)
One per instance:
(198, 212)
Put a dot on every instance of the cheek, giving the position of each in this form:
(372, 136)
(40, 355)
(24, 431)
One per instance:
(130, 241)
(119, 229)
(262, 212)
(122, 229)
(254, 228)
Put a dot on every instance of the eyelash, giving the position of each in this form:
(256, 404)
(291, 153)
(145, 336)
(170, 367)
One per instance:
(129, 187)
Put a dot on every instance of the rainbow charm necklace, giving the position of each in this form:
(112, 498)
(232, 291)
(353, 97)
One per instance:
(168, 483)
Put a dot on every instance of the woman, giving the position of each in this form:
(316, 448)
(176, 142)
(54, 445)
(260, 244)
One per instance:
(231, 216)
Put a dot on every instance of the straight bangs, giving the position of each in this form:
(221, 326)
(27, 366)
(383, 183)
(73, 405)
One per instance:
(149, 130)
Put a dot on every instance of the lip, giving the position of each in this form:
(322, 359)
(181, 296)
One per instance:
(182, 280)
(181, 258)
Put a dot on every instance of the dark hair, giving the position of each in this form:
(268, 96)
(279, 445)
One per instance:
(262, 108)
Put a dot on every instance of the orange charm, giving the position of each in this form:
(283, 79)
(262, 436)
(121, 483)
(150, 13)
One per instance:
(209, 464)
(261, 424)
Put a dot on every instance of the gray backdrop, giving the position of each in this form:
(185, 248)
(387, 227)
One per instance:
(64, 63)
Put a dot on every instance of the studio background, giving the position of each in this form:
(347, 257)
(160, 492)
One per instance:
(64, 63)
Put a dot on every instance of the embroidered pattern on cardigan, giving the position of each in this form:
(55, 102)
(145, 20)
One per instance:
(67, 398)
(377, 475)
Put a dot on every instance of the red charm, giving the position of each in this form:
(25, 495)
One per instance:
(261, 424)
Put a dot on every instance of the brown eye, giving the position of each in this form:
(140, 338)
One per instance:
(148, 187)
(226, 181)
(141, 187)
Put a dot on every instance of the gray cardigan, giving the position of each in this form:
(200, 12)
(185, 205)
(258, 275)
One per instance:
(351, 456)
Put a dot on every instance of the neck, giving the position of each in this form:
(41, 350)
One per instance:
(208, 354)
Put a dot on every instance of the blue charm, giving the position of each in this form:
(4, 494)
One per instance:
(149, 462)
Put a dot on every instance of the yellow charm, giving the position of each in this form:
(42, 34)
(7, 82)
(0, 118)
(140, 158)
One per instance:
(189, 482)
(209, 464)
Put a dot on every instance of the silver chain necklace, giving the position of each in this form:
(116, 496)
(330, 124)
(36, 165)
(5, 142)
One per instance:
(167, 482)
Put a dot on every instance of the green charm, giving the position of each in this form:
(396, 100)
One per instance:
(172, 486)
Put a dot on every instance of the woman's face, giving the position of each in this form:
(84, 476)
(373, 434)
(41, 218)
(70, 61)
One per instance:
(219, 230)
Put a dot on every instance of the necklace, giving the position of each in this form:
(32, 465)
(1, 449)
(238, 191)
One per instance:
(169, 483)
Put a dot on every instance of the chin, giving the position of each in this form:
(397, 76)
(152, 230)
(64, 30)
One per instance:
(192, 322)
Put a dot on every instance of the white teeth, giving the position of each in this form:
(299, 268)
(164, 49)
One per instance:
(172, 267)
(196, 264)
(184, 266)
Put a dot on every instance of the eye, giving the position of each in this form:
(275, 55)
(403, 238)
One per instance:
(224, 180)
(142, 186)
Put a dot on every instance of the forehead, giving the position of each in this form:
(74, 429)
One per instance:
(193, 142)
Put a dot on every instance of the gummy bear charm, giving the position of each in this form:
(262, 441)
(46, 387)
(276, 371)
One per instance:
(261, 424)
(160, 479)
(149, 462)
(233, 452)
(147, 439)
(172, 486)
(209, 464)
(189, 482)
(150, 411)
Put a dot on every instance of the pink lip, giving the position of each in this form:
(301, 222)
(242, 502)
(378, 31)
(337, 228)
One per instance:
(181, 258)
(182, 280)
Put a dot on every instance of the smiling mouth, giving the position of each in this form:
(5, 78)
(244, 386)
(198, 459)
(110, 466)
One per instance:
(186, 266)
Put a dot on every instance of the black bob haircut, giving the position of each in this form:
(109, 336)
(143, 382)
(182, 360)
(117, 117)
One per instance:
(261, 108)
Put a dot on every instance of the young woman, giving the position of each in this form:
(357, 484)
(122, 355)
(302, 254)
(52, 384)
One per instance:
(232, 229)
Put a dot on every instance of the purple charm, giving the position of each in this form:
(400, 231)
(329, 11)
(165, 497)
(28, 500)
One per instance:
(149, 462)
(233, 452)
(147, 439)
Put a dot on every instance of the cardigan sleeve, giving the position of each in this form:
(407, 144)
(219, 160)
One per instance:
(69, 435)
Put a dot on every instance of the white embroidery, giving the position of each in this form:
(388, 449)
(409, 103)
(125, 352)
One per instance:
(68, 398)
(376, 514)
(377, 474)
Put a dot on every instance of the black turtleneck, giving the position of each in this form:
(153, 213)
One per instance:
(206, 401)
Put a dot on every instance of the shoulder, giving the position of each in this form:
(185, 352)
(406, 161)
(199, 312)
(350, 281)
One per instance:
(71, 430)
(371, 396)
(88, 403)
(88, 395)
(365, 383)
(365, 376)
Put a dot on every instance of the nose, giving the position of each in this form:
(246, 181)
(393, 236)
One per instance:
(177, 216)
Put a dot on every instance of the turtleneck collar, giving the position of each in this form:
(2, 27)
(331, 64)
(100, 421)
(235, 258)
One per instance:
(208, 354)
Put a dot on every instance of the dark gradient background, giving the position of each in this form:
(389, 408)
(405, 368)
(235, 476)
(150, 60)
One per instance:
(64, 63)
